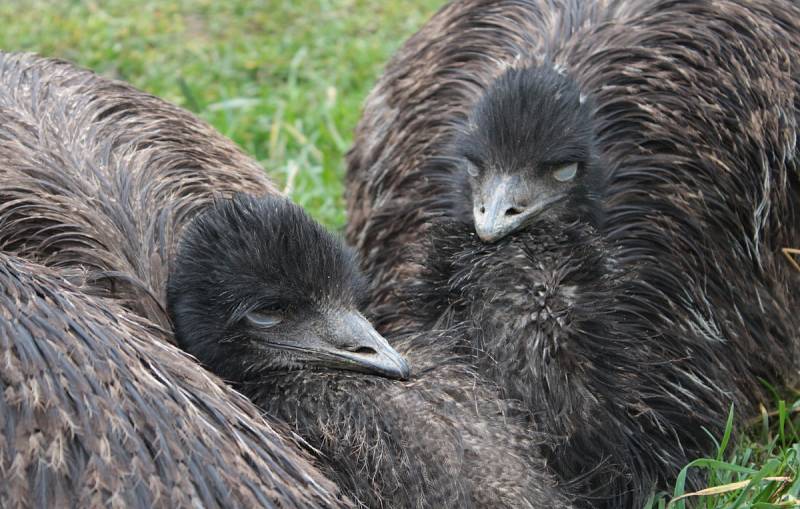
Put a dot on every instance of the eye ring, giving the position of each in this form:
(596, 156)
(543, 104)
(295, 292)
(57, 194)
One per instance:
(265, 318)
(566, 172)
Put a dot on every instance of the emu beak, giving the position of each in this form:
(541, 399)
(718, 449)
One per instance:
(497, 211)
(352, 343)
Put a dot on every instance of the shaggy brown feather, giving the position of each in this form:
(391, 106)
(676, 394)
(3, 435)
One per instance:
(98, 410)
(99, 175)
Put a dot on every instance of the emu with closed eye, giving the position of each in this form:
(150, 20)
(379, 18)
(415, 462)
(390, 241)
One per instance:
(529, 153)
(259, 286)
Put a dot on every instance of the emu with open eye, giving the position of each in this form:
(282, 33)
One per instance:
(259, 286)
(529, 153)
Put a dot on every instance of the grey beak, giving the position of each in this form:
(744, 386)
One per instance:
(354, 344)
(497, 209)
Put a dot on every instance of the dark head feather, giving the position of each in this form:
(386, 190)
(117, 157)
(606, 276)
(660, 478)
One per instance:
(528, 152)
(528, 119)
(258, 273)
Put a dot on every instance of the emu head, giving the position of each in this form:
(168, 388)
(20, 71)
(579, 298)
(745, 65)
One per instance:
(259, 286)
(529, 152)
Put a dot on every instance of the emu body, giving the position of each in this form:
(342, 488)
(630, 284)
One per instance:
(98, 181)
(445, 438)
(98, 410)
(627, 340)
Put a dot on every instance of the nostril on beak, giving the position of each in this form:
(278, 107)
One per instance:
(483, 209)
(513, 211)
(365, 350)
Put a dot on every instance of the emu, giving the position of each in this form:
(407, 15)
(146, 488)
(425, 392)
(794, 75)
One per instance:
(631, 335)
(102, 177)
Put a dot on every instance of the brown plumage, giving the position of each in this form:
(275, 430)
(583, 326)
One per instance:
(102, 176)
(98, 410)
(629, 339)
(394, 186)
(103, 179)
(424, 97)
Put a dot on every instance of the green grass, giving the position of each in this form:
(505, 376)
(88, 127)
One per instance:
(761, 472)
(286, 81)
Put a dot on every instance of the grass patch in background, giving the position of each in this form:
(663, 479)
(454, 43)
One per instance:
(284, 79)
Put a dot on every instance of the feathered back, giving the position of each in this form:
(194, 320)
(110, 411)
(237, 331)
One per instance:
(98, 175)
(97, 410)
(697, 108)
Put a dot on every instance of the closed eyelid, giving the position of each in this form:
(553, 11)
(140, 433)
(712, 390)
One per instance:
(265, 318)
(566, 172)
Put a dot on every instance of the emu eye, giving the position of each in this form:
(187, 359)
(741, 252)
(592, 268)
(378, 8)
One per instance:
(472, 169)
(566, 173)
(265, 318)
